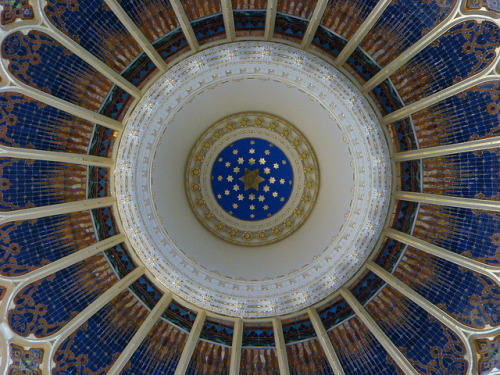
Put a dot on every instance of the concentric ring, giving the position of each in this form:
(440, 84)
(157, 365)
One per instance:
(186, 258)
(302, 180)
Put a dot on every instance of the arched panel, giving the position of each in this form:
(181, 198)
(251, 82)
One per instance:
(359, 352)
(466, 175)
(209, 358)
(35, 183)
(471, 115)
(159, 353)
(37, 60)
(259, 361)
(95, 345)
(402, 24)
(96, 28)
(343, 17)
(29, 244)
(27, 123)
(471, 233)
(468, 297)
(154, 18)
(429, 346)
(307, 358)
(463, 51)
(43, 307)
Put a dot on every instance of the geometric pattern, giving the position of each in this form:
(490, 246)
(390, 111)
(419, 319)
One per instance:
(25, 361)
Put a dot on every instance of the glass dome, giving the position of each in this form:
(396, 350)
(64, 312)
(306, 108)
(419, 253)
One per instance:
(391, 260)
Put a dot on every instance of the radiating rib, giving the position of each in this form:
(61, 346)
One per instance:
(279, 340)
(64, 105)
(445, 200)
(411, 52)
(439, 252)
(272, 8)
(56, 156)
(137, 34)
(185, 24)
(325, 342)
(234, 368)
(314, 23)
(90, 59)
(70, 260)
(95, 306)
(141, 334)
(191, 343)
(227, 14)
(55, 209)
(431, 152)
(412, 295)
(382, 338)
(437, 97)
(360, 34)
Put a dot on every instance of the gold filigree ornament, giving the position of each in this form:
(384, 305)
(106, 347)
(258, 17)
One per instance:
(278, 132)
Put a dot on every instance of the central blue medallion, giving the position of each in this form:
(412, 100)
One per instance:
(252, 179)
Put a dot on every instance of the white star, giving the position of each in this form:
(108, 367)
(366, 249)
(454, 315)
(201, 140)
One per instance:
(251, 197)
(261, 198)
(252, 207)
(266, 207)
(267, 170)
(272, 180)
(219, 178)
(228, 164)
(236, 169)
(251, 161)
(252, 151)
(282, 181)
(262, 161)
(235, 152)
(241, 160)
(266, 188)
(230, 178)
(275, 194)
(236, 188)
(226, 192)
(267, 152)
(219, 196)
(276, 165)
(235, 205)
(240, 197)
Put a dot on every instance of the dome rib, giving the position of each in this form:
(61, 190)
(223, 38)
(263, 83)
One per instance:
(76, 298)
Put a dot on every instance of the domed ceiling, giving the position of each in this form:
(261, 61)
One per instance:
(250, 187)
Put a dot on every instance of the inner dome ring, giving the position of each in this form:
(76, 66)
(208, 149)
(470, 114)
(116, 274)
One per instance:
(344, 133)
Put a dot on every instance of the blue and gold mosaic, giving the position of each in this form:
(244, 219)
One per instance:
(252, 179)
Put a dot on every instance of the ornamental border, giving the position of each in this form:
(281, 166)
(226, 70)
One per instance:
(265, 231)
(326, 272)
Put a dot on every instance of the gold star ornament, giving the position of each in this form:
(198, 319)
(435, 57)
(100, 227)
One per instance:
(251, 179)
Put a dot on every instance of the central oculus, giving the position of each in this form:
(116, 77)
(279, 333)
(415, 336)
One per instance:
(252, 179)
